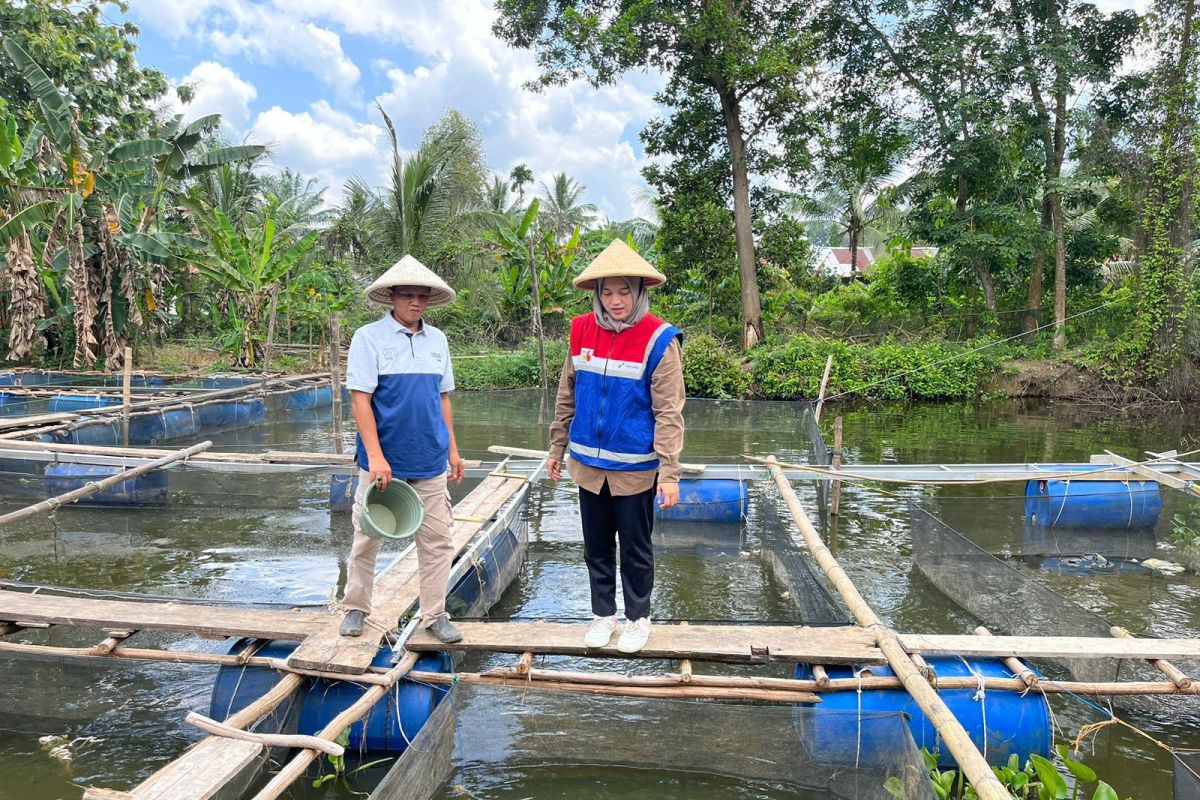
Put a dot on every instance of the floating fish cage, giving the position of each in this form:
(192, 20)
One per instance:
(483, 740)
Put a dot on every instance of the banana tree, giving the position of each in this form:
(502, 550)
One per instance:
(247, 267)
(518, 249)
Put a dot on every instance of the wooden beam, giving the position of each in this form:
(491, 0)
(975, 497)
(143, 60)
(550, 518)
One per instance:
(1173, 673)
(210, 621)
(745, 644)
(1049, 646)
(951, 731)
(266, 739)
(397, 590)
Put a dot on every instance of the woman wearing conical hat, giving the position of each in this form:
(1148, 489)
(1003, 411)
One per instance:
(619, 416)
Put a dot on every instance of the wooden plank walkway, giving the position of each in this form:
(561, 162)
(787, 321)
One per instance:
(209, 621)
(758, 643)
(745, 644)
(397, 589)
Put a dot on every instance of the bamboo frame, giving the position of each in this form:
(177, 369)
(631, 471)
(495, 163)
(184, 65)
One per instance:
(92, 487)
(1173, 673)
(958, 742)
(214, 728)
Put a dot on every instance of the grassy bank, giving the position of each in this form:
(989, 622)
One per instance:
(781, 369)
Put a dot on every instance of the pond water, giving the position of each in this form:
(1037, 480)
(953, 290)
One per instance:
(257, 540)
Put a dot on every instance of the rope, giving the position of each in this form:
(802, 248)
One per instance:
(980, 697)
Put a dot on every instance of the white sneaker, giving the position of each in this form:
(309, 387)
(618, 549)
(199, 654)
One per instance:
(634, 637)
(600, 631)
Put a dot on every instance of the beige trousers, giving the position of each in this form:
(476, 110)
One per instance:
(435, 550)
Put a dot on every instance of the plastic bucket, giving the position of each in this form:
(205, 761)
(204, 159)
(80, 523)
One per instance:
(392, 513)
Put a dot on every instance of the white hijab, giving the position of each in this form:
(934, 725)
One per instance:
(641, 305)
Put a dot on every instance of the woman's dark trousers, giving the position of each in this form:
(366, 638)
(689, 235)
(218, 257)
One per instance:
(606, 517)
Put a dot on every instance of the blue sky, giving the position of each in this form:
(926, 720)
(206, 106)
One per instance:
(305, 75)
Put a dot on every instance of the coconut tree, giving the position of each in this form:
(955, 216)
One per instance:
(562, 210)
(520, 177)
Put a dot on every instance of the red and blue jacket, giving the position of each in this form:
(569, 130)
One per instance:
(613, 427)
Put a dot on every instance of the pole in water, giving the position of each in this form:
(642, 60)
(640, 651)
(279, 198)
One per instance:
(824, 383)
(836, 502)
(126, 395)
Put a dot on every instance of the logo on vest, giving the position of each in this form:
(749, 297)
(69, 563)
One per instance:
(586, 353)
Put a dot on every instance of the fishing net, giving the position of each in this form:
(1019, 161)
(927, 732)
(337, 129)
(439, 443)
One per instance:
(1187, 774)
(1023, 579)
(490, 742)
(788, 561)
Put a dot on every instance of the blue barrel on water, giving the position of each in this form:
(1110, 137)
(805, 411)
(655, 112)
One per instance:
(708, 501)
(341, 493)
(80, 402)
(104, 433)
(309, 398)
(389, 726)
(13, 404)
(1001, 723)
(1093, 504)
(214, 417)
(179, 423)
(249, 412)
(148, 489)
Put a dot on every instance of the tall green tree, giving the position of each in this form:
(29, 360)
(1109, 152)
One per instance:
(94, 59)
(520, 177)
(742, 64)
(563, 209)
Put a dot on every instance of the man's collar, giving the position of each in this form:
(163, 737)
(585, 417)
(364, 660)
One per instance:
(400, 327)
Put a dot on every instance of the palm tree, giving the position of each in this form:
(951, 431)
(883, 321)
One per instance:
(520, 177)
(562, 212)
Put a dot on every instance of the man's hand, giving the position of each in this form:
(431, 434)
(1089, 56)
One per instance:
(668, 494)
(457, 471)
(381, 471)
(554, 467)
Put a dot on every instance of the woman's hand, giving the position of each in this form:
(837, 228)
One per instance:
(554, 467)
(457, 471)
(381, 471)
(668, 494)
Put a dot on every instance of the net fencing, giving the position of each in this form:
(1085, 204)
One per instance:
(488, 742)
(1022, 579)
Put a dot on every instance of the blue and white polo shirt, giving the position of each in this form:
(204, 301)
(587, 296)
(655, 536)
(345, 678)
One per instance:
(405, 373)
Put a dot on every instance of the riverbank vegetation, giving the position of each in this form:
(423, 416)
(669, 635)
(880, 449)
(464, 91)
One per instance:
(1036, 204)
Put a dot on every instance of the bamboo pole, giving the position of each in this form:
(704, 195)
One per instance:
(675, 690)
(93, 487)
(958, 742)
(126, 395)
(1173, 673)
(1017, 667)
(295, 768)
(685, 667)
(335, 379)
(827, 685)
(836, 502)
(524, 663)
(525, 452)
(266, 365)
(112, 642)
(824, 383)
(211, 726)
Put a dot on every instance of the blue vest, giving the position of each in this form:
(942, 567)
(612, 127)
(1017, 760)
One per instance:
(613, 427)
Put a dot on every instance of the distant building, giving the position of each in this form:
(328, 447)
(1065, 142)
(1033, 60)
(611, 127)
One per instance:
(836, 261)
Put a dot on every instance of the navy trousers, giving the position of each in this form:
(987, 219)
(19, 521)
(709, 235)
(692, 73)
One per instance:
(605, 518)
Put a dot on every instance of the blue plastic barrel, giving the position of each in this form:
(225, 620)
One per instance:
(179, 423)
(105, 433)
(249, 412)
(8, 378)
(708, 501)
(1093, 504)
(215, 417)
(148, 489)
(341, 493)
(224, 381)
(80, 402)
(1001, 723)
(146, 428)
(491, 573)
(13, 404)
(309, 398)
(389, 725)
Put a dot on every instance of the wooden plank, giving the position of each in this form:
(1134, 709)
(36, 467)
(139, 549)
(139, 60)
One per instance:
(202, 772)
(726, 643)
(210, 621)
(37, 419)
(1050, 646)
(397, 589)
(1150, 473)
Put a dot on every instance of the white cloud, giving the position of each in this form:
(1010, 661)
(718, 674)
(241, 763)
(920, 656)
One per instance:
(323, 143)
(257, 32)
(219, 90)
(460, 64)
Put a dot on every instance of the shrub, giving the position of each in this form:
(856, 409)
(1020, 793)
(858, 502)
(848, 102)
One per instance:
(709, 370)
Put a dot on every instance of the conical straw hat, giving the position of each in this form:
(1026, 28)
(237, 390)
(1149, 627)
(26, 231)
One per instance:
(618, 260)
(409, 272)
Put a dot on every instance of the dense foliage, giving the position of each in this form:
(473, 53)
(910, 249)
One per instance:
(1014, 172)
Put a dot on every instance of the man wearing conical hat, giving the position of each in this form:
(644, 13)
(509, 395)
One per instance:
(619, 416)
(399, 375)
